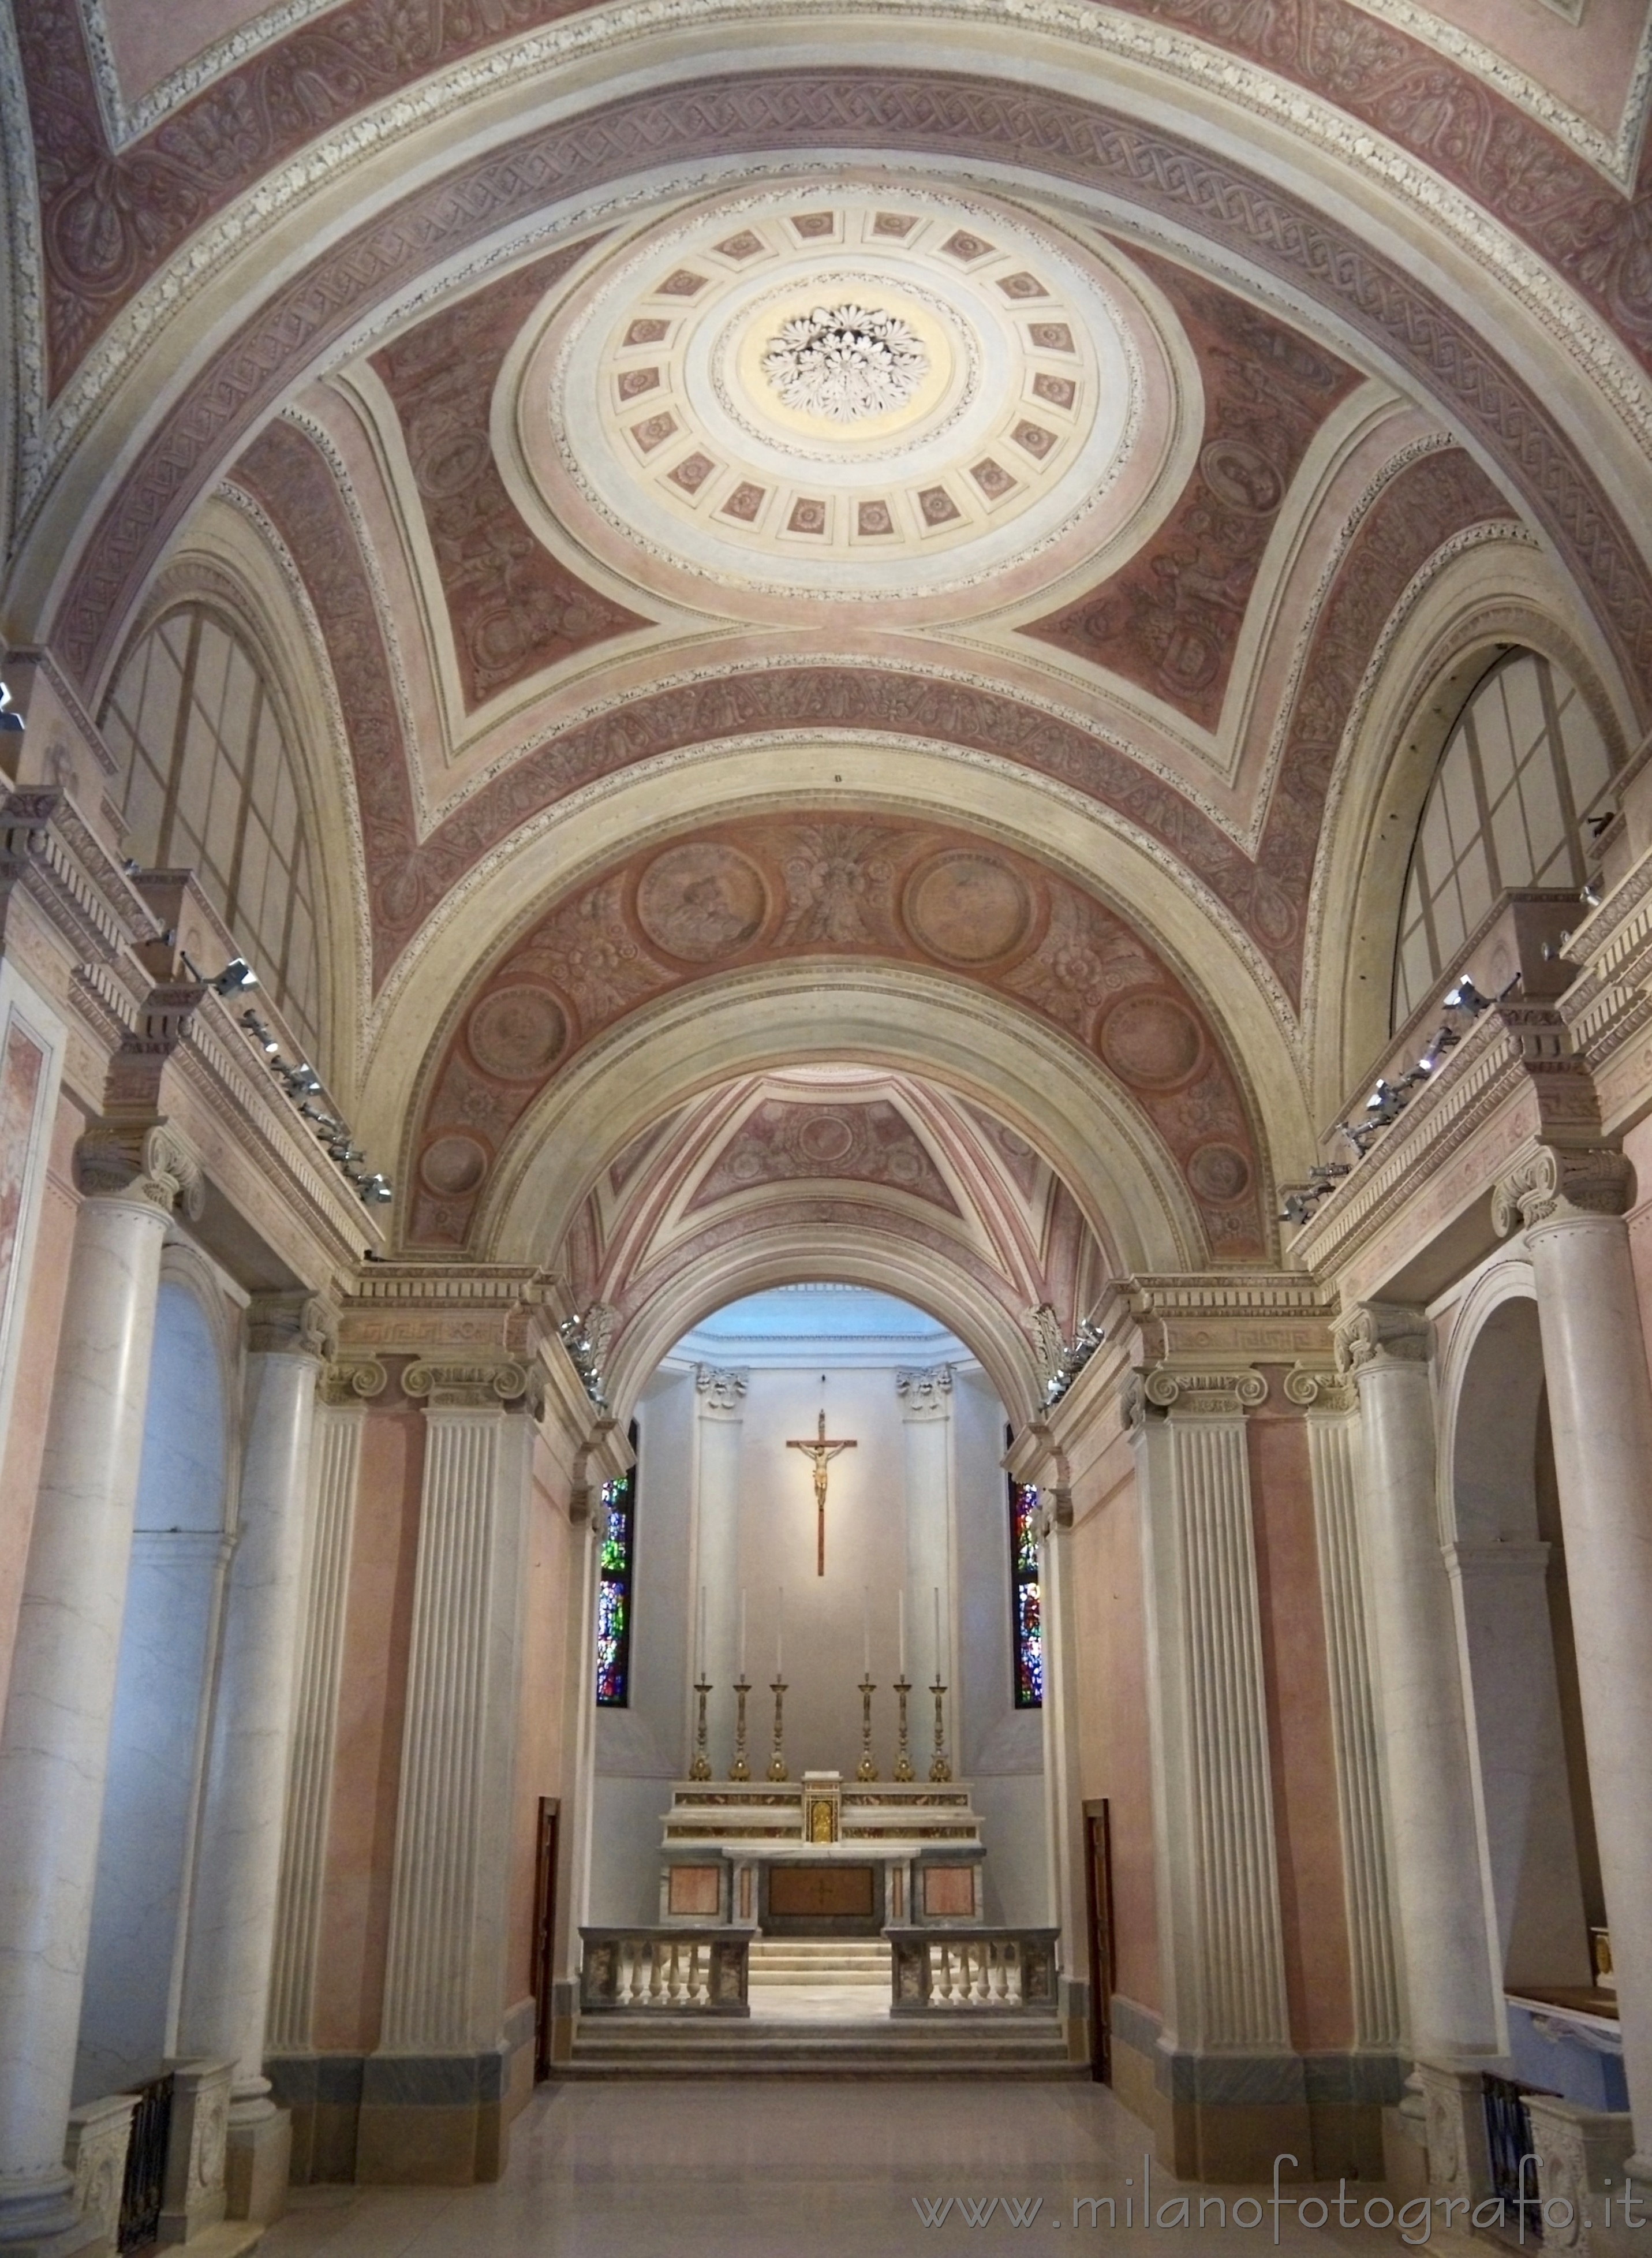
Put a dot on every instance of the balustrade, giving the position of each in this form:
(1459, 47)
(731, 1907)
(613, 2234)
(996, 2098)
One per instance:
(971, 1970)
(675, 1971)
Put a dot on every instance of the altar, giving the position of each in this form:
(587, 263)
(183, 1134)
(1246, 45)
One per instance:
(821, 1857)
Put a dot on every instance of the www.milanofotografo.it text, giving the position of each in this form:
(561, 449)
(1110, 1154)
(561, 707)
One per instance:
(1415, 2220)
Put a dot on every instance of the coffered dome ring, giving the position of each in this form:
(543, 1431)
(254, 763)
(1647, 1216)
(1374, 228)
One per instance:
(845, 392)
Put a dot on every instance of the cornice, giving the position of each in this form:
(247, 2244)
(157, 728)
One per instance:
(48, 851)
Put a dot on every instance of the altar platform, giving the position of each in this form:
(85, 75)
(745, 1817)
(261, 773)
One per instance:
(822, 1856)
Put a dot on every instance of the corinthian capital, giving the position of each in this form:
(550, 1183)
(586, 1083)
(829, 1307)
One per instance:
(720, 1387)
(1381, 1332)
(118, 1159)
(924, 1394)
(1554, 1183)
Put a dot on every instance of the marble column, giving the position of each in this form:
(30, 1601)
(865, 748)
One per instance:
(337, 1461)
(927, 1441)
(1221, 1938)
(230, 1941)
(719, 1396)
(1333, 1439)
(1449, 1990)
(54, 1745)
(434, 2093)
(1600, 1413)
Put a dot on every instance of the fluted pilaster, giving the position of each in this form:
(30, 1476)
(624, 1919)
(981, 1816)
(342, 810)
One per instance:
(336, 1466)
(1332, 1445)
(1218, 1868)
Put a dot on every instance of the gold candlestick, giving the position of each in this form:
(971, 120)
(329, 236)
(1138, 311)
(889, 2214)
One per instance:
(866, 1769)
(741, 1769)
(903, 1760)
(701, 1767)
(940, 1769)
(777, 1756)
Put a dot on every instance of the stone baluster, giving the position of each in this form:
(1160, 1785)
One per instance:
(1333, 1447)
(1220, 1934)
(1450, 1995)
(54, 1745)
(1572, 1204)
(231, 1931)
(336, 1459)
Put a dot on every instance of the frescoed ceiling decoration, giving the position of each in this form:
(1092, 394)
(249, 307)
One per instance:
(798, 888)
(814, 1145)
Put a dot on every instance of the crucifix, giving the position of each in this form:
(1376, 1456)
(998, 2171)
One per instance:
(822, 1448)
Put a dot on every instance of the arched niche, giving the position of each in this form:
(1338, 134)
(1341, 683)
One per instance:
(1499, 1513)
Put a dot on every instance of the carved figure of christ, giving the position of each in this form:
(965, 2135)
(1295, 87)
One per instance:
(822, 1448)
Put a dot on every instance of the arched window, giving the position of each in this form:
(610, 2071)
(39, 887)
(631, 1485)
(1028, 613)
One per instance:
(1520, 773)
(209, 783)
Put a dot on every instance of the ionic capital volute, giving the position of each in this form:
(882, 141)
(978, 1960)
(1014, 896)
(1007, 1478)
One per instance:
(1561, 1183)
(147, 1163)
(493, 1385)
(1319, 1388)
(352, 1380)
(1372, 1334)
(1160, 1389)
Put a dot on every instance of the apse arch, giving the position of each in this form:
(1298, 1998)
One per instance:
(892, 1018)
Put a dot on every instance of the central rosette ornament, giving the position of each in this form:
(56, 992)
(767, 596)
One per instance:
(846, 362)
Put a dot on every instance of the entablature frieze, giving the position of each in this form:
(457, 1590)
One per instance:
(438, 1312)
(1219, 1318)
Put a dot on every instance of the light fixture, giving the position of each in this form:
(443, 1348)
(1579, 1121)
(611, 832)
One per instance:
(10, 718)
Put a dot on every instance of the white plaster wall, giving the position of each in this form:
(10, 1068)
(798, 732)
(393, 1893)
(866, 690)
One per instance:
(641, 1750)
(149, 1803)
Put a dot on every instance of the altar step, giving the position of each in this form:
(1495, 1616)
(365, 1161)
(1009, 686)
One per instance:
(689, 2046)
(813, 1961)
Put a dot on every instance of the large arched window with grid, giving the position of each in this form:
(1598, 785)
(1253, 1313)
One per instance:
(1523, 771)
(209, 782)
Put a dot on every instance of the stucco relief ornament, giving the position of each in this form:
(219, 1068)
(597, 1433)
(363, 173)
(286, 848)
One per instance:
(846, 362)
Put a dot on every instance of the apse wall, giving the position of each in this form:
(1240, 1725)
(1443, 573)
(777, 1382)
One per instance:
(890, 1500)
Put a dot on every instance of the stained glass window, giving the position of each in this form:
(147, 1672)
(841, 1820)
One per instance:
(616, 1530)
(1026, 1614)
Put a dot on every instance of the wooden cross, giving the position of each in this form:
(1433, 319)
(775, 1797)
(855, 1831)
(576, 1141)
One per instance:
(822, 1449)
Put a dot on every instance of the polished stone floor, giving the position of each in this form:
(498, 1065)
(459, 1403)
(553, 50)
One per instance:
(754, 2169)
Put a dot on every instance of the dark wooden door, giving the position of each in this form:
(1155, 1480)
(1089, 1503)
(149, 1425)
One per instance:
(544, 1932)
(1098, 1890)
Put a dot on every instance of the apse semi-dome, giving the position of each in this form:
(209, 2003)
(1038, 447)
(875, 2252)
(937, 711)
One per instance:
(843, 393)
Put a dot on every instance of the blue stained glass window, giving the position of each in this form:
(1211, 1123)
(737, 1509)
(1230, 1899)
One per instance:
(1026, 1614)
(616, 1533)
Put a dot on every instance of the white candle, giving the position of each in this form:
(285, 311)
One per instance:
(900, 1602)
(866, 1631)
(938, 1634)
(742, 1633)
(780, 1624)
(699, 1650)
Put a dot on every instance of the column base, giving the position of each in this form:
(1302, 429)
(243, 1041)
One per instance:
(1584, 2161)
(1230, 2116)
(42, 2221)
(406, 2120)
(257, 2164)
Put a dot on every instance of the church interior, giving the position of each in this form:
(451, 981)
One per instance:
(825, 847)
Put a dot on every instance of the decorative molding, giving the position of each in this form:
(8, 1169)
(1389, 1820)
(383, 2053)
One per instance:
(1382, 1332)
(924, 1394)
(291, 1325)
(720, 1387)
(476, 1387)
(1556, 1183)
(118, 1160)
